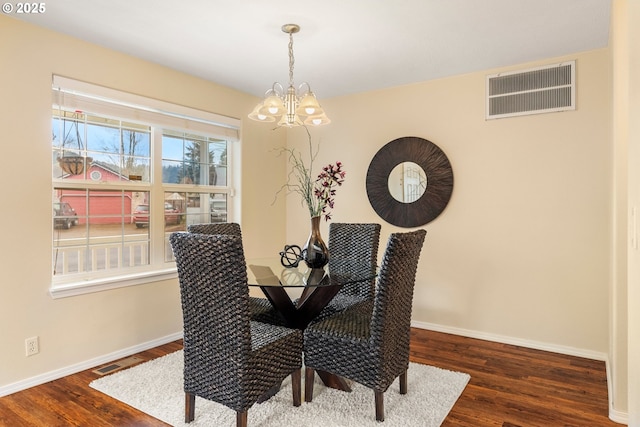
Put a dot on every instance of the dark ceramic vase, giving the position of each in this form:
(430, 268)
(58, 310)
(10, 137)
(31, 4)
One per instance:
(315, 251)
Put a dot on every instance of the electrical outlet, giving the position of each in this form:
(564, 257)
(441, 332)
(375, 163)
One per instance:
(32, 346)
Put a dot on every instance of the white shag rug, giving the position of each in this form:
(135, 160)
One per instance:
(156, 388)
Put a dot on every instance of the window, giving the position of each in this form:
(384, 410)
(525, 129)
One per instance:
(126, 173)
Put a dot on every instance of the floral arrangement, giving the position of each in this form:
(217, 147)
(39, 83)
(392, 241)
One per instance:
(329, 177)
(318, 194)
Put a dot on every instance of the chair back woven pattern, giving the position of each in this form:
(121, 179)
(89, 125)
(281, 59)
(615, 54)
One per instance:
(230, 228)
(353, 248)
(372, 347)
(391, 319)
(260, 309)
(221, 363)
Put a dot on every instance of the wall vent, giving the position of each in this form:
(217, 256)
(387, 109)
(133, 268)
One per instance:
(537, 90)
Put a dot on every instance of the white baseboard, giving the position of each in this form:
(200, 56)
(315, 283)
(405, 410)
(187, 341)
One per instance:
(537, 345)
(618, 417)
(614, 415)
(87, 364)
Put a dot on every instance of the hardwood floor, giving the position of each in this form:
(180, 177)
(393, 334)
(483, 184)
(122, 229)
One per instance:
(514, 386)
(510, 386)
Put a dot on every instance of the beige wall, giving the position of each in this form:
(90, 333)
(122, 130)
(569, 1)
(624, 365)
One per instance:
(627, 97)
(523, 252)
(76, 329)
(523, 248)
(618, 336)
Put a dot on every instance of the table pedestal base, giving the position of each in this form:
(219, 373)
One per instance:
(334, 381)
(318, 292)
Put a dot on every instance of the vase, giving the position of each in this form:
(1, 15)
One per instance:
(315, 251)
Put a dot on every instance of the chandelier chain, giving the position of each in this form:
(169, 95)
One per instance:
(291, 60)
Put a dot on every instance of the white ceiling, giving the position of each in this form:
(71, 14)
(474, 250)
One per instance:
(343, 47)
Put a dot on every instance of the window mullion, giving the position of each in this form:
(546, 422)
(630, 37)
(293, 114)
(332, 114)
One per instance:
(156, 202)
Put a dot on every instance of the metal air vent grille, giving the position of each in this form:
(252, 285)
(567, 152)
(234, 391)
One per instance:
(534, 91)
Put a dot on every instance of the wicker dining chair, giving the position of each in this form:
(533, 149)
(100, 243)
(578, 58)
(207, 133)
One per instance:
(353, 249)
(260, 309)
(230, 228)
(371, 348)
(228, 358)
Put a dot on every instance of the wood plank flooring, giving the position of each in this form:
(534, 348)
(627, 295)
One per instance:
(514, 386)
(510, 387)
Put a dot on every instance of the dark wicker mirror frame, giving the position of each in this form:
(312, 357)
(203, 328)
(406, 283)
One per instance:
(439, 182)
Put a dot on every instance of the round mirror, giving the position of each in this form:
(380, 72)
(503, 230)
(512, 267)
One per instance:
(408, 156)
(407, 182)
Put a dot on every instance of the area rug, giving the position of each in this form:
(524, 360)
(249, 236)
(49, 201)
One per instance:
(155, 387)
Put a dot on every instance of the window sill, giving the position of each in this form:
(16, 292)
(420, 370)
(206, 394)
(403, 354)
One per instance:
(70, 289)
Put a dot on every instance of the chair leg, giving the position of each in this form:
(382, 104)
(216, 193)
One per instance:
(379, 405)
(403, 383)
(308, 384)
(241, 419)
(189, 407)
(296, 385)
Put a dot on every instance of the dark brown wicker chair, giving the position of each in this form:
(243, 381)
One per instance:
(230, 228)
(228, 358)
(353, 249)
(260, 309)
(371, 348)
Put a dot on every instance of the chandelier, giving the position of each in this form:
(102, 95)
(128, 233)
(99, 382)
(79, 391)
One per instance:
(295, 107)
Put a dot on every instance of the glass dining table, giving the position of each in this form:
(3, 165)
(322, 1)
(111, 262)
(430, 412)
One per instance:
(312, 288)
(316, 287)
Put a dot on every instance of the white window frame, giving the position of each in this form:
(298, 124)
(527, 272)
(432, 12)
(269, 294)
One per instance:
(83, 96)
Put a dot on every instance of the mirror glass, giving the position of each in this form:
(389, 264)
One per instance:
(407, 182)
